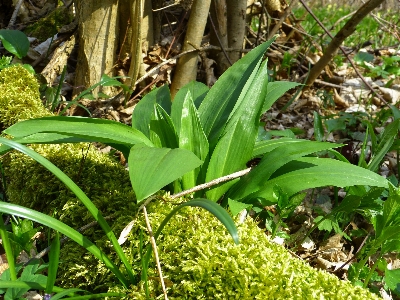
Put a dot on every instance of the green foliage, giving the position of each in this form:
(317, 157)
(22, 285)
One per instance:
(29, 274)
(15, 42)
(389, 66)
(203, 135)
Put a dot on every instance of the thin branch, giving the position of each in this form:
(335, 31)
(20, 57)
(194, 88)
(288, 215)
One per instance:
(219, 40)
(154, 246)
(15, 14)
(287, 11)
(211, 183)
(345, 54)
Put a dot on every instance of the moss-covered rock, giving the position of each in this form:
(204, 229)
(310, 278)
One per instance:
(50, 25)
(198, 257)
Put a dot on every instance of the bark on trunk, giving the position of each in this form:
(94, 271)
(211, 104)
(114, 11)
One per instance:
(186, 68)
(236, 27)
(98, 38)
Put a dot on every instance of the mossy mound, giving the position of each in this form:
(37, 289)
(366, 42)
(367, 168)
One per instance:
(198, 257)
(200, 261)
(19, 96)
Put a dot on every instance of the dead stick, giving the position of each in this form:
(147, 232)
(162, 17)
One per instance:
(219, 40)
(154, 246)
(211, 183)
(344, 52)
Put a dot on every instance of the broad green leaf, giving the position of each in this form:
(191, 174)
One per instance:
(271, 162)
(68, 231)
(388, 233)
(391, 207)
(392, 279)
(348, 204)
(89, 129)
(276, 90)
(198, 91)
(150, 169)
(361, 57)
(391, 246)
(15, 42)
(191, 135)
(84, 199)
(335, 124)
(145, 110)
(109, 81)
(310, 172)
(388, 134)
(395, 111)
(235, 146)
(236, 207)
(216, 108)
(262, 147)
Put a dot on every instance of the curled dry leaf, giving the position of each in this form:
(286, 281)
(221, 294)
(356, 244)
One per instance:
(125, 232)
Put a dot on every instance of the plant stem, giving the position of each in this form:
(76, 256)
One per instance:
(371, 271)
(7, 247)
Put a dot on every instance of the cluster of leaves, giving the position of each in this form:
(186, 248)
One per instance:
(390, 65)
(201, 136)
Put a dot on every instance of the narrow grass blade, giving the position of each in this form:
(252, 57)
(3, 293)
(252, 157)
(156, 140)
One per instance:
(8, 249)
(74, 235)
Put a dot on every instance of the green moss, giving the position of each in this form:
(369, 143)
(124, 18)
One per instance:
(19, 96)
(50, 24)
(200, 261)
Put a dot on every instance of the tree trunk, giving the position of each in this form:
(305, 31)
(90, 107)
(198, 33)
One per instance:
(98, 38)
(219, 33)
(236, 27)
(186, 68)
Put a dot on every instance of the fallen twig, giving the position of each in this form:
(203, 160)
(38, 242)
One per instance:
(211, 183)
(154, 246)
(15, 14)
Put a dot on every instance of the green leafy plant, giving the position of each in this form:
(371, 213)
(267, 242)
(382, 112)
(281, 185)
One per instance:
(201, 136)
(15, 42)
